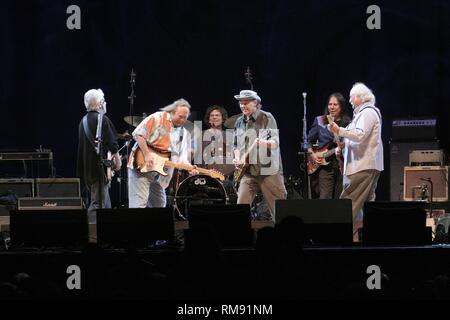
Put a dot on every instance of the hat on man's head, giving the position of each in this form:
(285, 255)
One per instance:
(247, 94)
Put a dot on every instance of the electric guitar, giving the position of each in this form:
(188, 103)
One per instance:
(245, 163)
(161, 160)
(323, 152)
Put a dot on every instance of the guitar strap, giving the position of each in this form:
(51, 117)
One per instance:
(88, 132)
(376, 111)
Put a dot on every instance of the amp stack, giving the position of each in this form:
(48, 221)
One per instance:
(417, 165)
(27, 177)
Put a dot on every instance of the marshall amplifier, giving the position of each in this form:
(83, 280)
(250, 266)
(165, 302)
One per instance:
(59, 203)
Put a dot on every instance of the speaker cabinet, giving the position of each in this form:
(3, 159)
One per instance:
(395, 223)
(57, 187)
(327, 222)
(18, 187)
(416, 186)
(139, 228)
(48, 228)
(232, 223)
(399, 158)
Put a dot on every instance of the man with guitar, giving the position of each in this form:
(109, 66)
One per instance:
(363, 152)
(88, 168)
(323, 165)
(159, 138)
(257, 153)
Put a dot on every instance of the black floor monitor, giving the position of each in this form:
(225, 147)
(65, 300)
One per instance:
(232, 223)
(48, 228)
(390, 223)
(326, 221)
(139, 228)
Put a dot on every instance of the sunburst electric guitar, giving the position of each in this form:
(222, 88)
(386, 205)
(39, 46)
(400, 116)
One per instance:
(245, 163)
(161, 160)
(325, 152)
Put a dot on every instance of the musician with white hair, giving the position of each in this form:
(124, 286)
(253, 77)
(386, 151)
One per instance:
(363, 152)
(159, 135)
(89, 169)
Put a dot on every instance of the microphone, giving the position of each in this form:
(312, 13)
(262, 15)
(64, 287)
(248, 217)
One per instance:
(132, 76)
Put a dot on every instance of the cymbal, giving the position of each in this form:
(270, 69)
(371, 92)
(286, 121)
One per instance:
(124, 136)
(133, 120)
(230, 122)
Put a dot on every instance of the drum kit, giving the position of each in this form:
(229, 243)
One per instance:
(198, 189)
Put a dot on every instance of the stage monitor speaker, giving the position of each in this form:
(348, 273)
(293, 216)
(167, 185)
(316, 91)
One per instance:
(139, 228)
(327, 221)
(399, 158)
(57, 187)
(232, 223)
(18, 187)
(416, 189)
(395, 223)
(48, 228)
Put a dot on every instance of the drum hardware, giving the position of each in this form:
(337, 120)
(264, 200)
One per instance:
(198, 190)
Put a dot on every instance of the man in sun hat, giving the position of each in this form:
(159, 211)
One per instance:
(256, 142)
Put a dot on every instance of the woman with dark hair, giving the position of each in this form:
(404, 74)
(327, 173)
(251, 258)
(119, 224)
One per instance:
(323, 166)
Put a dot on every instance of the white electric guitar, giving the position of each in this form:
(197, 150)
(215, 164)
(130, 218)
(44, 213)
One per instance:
(161, 160)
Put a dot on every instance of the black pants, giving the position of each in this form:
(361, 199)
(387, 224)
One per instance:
(326, 183)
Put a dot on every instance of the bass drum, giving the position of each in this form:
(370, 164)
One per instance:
(199, 190)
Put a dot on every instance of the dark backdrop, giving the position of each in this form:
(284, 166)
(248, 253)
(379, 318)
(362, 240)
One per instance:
(199, 51)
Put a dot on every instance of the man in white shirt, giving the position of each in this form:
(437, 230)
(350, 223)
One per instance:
(363, 152)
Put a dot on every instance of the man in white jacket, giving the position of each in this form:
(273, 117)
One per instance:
(363, 152)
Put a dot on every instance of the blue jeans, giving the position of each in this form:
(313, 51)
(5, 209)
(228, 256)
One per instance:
(144, 190)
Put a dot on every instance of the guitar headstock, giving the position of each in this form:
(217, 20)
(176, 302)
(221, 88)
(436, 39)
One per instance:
(216, 174)
(330, 118)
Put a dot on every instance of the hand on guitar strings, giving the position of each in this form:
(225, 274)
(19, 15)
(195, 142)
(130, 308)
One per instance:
(333, 127)
(194, 171)
(148, 160)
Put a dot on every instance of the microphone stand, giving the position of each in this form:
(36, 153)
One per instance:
(304, 147)
(431, 196)
(131, 98)
(248, 77)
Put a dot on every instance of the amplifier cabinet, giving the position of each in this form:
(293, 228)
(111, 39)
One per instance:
(19, 187)
(57, 187)
(417, 188)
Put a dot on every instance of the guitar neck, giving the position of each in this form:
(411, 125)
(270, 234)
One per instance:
(184, 166)
(329, 153)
